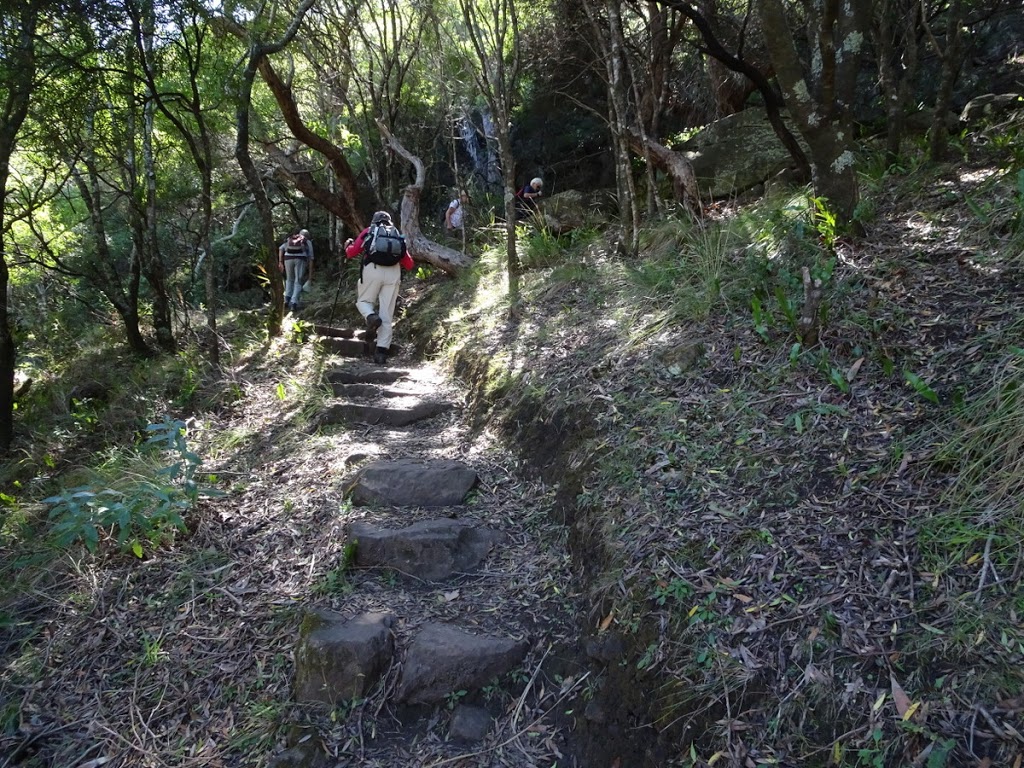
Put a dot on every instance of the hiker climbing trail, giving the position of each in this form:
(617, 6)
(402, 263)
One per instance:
(432, 647)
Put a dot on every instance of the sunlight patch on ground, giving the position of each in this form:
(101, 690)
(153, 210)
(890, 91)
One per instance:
(977, 175)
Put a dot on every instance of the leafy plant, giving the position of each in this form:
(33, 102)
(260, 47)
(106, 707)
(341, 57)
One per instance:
(335, 581)
(299, 331)
(760, 317)
(149, 510)
(676, 590)
(455, 697)
(921, 386)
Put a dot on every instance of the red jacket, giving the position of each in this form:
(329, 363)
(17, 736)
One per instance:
(356, 249)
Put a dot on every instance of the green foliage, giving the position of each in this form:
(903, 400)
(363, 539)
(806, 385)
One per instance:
(785, 240)
(984, 456)
(761, 318)
(299, 331)
(335, 581)
(690, 270)
(542, 248)
(921, 386)
(453, 698)
(146, 513)
(676, 590)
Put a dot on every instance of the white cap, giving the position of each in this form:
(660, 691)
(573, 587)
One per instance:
(537, 182)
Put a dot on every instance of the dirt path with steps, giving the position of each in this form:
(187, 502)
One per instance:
(521, 592)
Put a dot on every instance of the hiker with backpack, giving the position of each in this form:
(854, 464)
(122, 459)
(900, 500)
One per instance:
(295, 258)
(383, 255)
(455, 215)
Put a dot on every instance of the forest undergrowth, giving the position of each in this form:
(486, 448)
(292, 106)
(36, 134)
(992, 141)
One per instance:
(812, 551)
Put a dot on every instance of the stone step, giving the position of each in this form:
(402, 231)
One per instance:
(340, 659)
(334, 333)
(430, 550)
(350, 347)
(394, 416)
(363, 391)
(413, 482)
(344, 347)
(366, 374)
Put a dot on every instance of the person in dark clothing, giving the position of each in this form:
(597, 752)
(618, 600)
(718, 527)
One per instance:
(527, 197)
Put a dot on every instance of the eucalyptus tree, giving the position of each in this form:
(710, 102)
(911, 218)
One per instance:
(724, 38)
(88, 118)
(370, 61)
(895, 28)
(18, 62)
(40, 42)
(180, 74)
(139, 169)
(379, 81)
(490, 41)
(606, 24)
(264, 37)
(818, 82)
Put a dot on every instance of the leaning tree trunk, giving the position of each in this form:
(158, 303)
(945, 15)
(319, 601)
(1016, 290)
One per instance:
(268, 246)
(675, 164)
(256, 53)
(420, 246)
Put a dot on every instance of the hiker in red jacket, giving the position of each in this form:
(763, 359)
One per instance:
(383, 257)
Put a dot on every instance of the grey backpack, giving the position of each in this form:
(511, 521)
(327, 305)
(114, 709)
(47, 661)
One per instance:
(384, 245)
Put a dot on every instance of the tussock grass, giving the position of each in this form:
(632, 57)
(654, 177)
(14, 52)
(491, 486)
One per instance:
(984, 456)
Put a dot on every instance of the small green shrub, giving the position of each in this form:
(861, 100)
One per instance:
(149, 510)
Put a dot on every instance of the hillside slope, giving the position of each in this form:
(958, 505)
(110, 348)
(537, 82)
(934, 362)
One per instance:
(805, 554)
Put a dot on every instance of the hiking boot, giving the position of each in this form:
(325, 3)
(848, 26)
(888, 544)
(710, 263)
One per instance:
(373, 322)
(380, 357)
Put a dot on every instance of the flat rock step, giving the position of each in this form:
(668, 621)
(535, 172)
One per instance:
(349, 347)
(398, 416)
(366, 374)
(432, 550)
(339, 659)
(335, 333)
(366, 391)
(412, 482)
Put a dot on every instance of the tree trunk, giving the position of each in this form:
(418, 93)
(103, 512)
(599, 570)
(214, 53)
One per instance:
(153, 260)
(107, 273)
(938, 138)
(267, 253)
(772, 104)
(420, 247)
(821, 118)
(678, 168)
(257, 52)
(20, 67)
(896, 42)
(201, 149)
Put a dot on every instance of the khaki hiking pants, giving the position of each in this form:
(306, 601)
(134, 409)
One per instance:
(379, 285)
